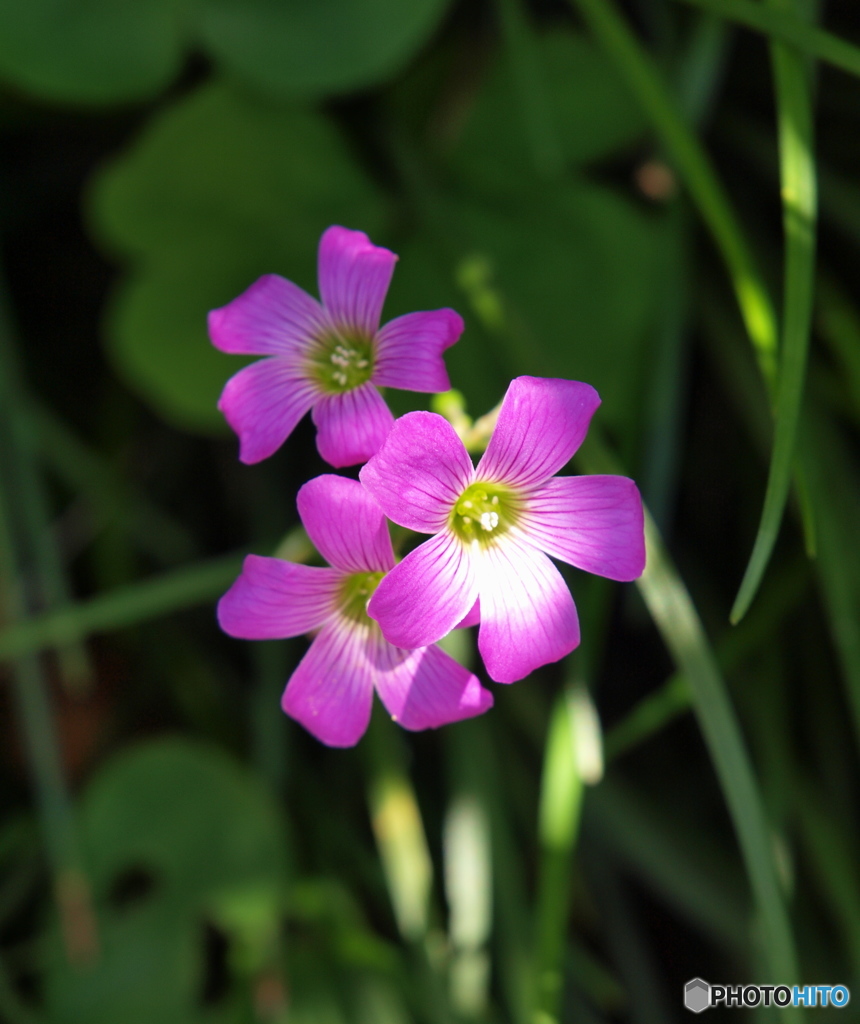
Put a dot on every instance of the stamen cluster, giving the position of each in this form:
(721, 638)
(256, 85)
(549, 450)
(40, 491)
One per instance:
(342, 364)
(483, 513)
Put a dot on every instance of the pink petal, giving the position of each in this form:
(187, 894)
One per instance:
(541, 424)
(528, 618)
(352, 426)
(427, 594)
(409, 350)
(263, 403)
(345, 524)
(593, 522)
(354, 275)
(419, 472)
(272, 599)
(331, 691)
(472, 617)
(426, 688)
(272, 317)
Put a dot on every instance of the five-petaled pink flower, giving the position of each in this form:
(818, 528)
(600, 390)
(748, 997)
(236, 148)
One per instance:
(329, 356)
(331, 691)
(495, 526)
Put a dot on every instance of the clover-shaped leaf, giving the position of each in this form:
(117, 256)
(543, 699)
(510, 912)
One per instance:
(218, 190)
(177, 837)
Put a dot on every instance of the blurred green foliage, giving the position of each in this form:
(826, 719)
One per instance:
(210, 863)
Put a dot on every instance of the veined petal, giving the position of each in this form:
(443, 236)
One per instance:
(263, 403)
(345, 524)
(472, 617)
(409, 350)
(528, 618)
(272, 599)
(354, 275)
(351, 426)
(593, 522)
(426, 688)
(427, 594)
(419, 472)
(331, 691)
(272, 317)
(541, 424)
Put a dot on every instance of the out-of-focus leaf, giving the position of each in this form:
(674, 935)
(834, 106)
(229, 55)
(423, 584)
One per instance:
(101, 51)
(177, 836)
(830, 466)
(217, 191)
(564, 283)
(592, 114)
(578, 275)
(314, 47)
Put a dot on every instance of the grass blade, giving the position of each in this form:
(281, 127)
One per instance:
(572, 759)
(695, 169)
(799, 198)
(31, 502)
(675, 616)
(123, 606)
(788, 28)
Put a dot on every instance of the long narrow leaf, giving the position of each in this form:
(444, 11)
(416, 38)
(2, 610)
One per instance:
(799, 199)
(676, 618)
(695, 170)
(786, 27)
(124, 606)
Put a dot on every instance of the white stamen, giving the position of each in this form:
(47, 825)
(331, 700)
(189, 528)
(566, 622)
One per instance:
(495, 499)
(489, 520)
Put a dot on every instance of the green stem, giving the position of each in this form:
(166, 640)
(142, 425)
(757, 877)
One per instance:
(71, 888)
(123, 606)
(562, 788)
(695, 169)
(31, 502)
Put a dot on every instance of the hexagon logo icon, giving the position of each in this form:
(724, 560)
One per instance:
(697, 995)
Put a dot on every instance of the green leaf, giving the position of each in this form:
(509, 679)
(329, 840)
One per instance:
(101, 51)
(799, 190)
(576, 276)
(177, 835)
(218, 190)
(316, 47)
(591, 115)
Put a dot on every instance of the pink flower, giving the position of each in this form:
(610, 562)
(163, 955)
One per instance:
(331, 691)
(495, 526)
(330, 357)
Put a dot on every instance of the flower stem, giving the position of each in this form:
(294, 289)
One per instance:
(570, 737)
(26, 483)
(71, 888)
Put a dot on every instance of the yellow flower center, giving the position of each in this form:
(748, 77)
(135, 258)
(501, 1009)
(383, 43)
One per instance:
(483, 512)
(357, 590)
(341, 362)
